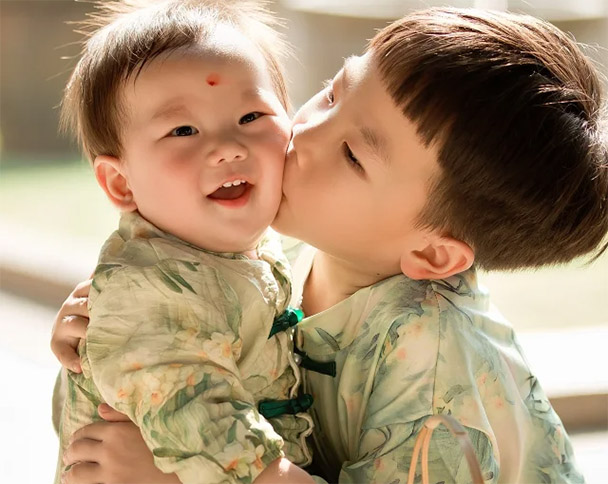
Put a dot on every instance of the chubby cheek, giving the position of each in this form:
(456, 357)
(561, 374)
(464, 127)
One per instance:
(272, 140)
(283, 135)
(273, 147)
(165, 173)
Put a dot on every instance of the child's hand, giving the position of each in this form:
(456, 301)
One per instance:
(70, 327)
(114, 452)
(111, 452)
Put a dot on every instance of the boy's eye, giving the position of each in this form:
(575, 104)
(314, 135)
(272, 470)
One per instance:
(351, 158)
(329, 93)
(250, 117)
(184, 131)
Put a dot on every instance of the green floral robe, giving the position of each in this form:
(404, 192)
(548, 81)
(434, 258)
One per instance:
(178, 341)
(404, 350)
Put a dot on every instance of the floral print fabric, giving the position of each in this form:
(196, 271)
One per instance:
(405, 350)
(178, 340)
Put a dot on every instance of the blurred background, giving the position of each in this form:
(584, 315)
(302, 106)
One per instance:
(53, 218)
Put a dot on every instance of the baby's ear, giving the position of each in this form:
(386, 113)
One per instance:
(111, 178)
(441, 257)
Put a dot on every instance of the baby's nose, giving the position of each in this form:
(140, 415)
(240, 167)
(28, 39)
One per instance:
(228, 151)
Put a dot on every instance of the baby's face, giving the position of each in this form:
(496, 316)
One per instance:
(356, 174)
(204, 144)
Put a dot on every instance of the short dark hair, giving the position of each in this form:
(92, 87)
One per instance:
(122, 36)
(515, 111)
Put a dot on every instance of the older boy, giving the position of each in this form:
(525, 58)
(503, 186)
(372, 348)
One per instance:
(460, 136)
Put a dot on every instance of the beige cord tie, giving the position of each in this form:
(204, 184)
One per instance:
(424, 439)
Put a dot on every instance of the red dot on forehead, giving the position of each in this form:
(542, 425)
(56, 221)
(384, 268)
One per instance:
(213, 79)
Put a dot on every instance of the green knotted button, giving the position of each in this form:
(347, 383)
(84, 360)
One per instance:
(289, 318)
(276, 408)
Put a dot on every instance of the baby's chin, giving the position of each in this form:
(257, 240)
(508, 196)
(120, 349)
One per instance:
(281, 222)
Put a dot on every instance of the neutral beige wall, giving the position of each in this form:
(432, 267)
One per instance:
(33, 38)
(593, 33)
(322, 41)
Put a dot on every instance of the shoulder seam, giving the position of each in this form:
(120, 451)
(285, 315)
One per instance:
(440, 311)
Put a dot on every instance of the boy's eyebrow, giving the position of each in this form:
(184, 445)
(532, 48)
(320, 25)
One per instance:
(376, 143)
(345, 76)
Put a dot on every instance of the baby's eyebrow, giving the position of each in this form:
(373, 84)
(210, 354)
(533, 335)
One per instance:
(376, 143)
(170, 110)
(251, 94)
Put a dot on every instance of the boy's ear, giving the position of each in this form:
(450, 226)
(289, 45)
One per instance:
(110, 176)
(442, 257)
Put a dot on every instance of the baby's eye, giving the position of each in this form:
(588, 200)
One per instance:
(184, 131)
(250, 117)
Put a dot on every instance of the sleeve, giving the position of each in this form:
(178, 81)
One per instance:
(400, 401)
(385, 454)
(163, 345)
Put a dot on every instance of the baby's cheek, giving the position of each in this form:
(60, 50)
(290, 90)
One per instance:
(277, 143)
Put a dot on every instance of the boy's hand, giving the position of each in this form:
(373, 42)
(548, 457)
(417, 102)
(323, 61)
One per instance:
(70, 327)
(111, 452)
(114, 451)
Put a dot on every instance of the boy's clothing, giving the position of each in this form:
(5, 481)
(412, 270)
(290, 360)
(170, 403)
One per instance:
(178, 340)
(404, 350)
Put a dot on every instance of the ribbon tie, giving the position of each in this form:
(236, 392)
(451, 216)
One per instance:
(323, 367)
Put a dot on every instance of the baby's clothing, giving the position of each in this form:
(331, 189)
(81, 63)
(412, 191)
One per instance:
(178, 340)
(382, 361)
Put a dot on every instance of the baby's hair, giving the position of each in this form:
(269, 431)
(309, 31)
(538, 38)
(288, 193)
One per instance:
(515, 112)
(121, 37)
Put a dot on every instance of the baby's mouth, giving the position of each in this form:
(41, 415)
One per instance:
(230, 192)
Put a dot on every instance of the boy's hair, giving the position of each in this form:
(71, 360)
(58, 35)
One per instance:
(515, 111)
(123, 36)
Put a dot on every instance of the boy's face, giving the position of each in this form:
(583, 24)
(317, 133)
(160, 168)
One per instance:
(356, 174)
(197, 121)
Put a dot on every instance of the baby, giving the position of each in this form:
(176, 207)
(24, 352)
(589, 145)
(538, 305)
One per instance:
(181, 108)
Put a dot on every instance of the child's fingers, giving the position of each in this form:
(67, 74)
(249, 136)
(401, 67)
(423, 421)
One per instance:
(65, 339)
(92, 431)
(76, 302)
(74, 306)
(74, 326)
(68, 357)
(83, 450)
(110, 415)
(82, 289)
(82, 473)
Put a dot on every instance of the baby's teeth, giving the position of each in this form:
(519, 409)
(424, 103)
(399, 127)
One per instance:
(234, 183)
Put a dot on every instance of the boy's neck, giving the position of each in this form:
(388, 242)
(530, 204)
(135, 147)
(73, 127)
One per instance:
(332, 280)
